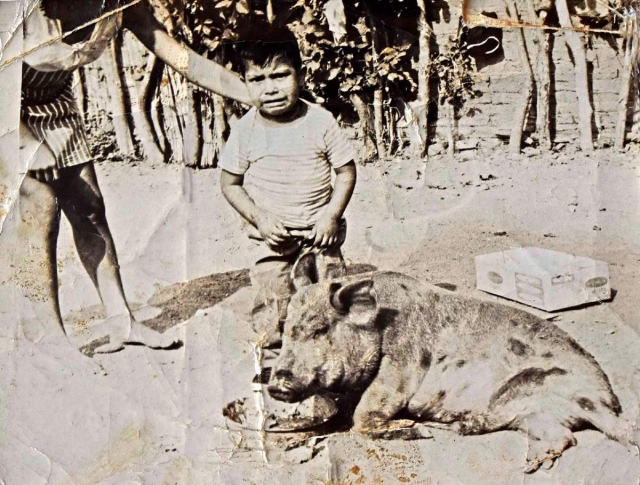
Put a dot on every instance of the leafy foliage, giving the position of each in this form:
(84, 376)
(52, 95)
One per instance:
(453, 69)
(350, 65)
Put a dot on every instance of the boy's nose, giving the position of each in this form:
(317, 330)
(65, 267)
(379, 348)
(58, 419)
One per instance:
(270, 86)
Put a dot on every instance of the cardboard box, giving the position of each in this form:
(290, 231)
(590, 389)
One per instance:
(544, 279)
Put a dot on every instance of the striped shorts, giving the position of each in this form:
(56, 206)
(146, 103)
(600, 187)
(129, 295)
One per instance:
(50, 111)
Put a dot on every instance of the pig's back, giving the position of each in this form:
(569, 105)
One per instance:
(418, 313)
(475, 345)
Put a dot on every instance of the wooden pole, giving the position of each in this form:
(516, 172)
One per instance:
(630, 54)
(115, 87)
(543, 111)
(424, 72)
(378, 98)
(192, 130)
(515, 140)
(219, 125)
(450, 114)
(575, 43)
(378, 117)
(146, 130)
(367, 129)
(542, 76)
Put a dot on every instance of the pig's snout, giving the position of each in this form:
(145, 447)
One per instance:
(282, 386)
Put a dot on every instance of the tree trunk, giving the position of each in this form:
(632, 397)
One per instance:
(378, 116)
(144, 123)
(367, 129)
(394, 139)
(118, 105)
(378, 96)
(543, 111)
(219, 127)
(574, 41)
(631, 50)
(173, 120)
(515, 140)
(192, 129)
(542, 75)
(424, 72)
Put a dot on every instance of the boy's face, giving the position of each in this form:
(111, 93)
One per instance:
(273, 88)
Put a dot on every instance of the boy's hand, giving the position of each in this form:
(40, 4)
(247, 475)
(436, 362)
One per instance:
(271, 229)
(325, 232)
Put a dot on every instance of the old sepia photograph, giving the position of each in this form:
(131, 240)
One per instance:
(323, 242)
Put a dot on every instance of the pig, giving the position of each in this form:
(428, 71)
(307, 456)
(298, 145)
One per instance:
(409, 349)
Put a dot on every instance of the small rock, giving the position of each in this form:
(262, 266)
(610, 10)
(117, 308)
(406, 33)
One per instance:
(597, 228)
(234, 411)
(531, 152)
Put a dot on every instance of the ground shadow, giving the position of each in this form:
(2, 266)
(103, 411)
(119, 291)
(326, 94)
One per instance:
(180, 301)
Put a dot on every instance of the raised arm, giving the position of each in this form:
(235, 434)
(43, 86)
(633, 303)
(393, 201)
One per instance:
(197, 69)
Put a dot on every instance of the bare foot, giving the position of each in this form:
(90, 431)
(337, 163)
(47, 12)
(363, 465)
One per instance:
(127, 331)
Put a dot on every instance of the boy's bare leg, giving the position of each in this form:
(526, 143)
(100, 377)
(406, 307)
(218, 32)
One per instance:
(82, 203)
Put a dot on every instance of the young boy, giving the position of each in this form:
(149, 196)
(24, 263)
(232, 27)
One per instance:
(277, 169)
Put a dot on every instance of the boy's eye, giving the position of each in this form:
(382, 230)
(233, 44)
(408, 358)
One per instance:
(255, 79)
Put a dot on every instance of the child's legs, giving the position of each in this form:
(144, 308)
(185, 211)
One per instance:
(329, 262)
(271, 276)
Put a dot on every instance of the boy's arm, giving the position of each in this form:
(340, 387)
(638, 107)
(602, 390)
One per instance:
(270, 228)
(197, 69)
(325, 232)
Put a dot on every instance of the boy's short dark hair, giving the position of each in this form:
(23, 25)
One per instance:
(261, 43)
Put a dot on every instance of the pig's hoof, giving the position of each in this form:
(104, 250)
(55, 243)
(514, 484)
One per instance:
(547, 461)
(310, 413)
(399, 429)
(547, 441)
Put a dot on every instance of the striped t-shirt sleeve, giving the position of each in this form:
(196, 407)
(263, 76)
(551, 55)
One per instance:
(338, 148)
(232, 158)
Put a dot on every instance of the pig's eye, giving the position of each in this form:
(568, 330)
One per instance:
(320, 331)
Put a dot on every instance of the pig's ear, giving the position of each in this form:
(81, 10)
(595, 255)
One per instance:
(356, 300)
(305, 271)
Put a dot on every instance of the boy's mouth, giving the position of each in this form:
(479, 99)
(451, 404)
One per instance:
(275, 102)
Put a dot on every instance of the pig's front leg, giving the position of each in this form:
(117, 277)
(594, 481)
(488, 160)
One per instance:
(387, 395)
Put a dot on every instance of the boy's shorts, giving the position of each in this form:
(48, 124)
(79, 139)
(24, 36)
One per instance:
(271, 273)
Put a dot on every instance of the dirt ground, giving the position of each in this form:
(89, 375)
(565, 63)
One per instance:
(147, 417)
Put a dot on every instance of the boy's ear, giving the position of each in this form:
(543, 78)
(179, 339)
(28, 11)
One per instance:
(302, 75)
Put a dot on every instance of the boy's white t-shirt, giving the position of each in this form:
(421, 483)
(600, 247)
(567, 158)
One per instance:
(287, 167)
